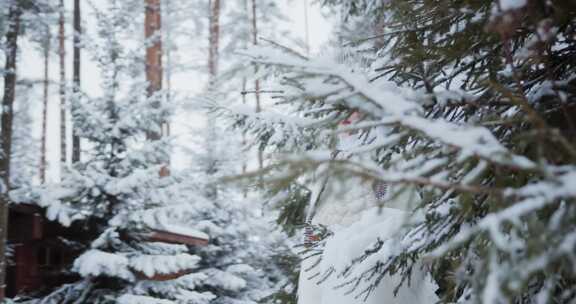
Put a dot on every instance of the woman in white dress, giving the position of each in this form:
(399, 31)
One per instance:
(358, 213)
(357, 221)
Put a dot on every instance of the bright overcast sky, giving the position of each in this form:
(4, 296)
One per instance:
(319, 27)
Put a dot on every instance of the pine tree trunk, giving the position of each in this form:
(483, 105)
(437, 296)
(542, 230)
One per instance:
(43, 162)
(76, 76)
(154, 72)
(6, 133)
(62, 54)
(152, 28)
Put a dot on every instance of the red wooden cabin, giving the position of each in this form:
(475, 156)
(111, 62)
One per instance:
(42, 251)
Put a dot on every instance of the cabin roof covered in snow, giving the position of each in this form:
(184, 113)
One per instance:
(186, 231)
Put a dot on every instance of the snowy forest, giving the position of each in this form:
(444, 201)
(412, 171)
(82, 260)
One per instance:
(288, 151)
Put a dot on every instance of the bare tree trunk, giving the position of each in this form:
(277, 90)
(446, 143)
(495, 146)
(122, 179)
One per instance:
(43, 162)
(76, 76)
(6, 132)
(62, 54)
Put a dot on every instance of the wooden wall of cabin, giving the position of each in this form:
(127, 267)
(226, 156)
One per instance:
(42, 251)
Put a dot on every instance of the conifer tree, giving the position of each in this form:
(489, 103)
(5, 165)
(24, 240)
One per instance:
(471, 103)
(115, 189)
(237, 260)
(118, 190)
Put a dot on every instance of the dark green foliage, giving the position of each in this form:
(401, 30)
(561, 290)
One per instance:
(292, 208)
(289, 265)
(495, 229)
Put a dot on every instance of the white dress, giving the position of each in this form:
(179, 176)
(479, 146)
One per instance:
(356, 222)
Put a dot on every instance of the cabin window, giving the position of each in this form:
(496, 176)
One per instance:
(49, 257)
(43, 256)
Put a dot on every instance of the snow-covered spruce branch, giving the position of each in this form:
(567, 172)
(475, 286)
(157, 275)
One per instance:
(480, 197)
(329, 83)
